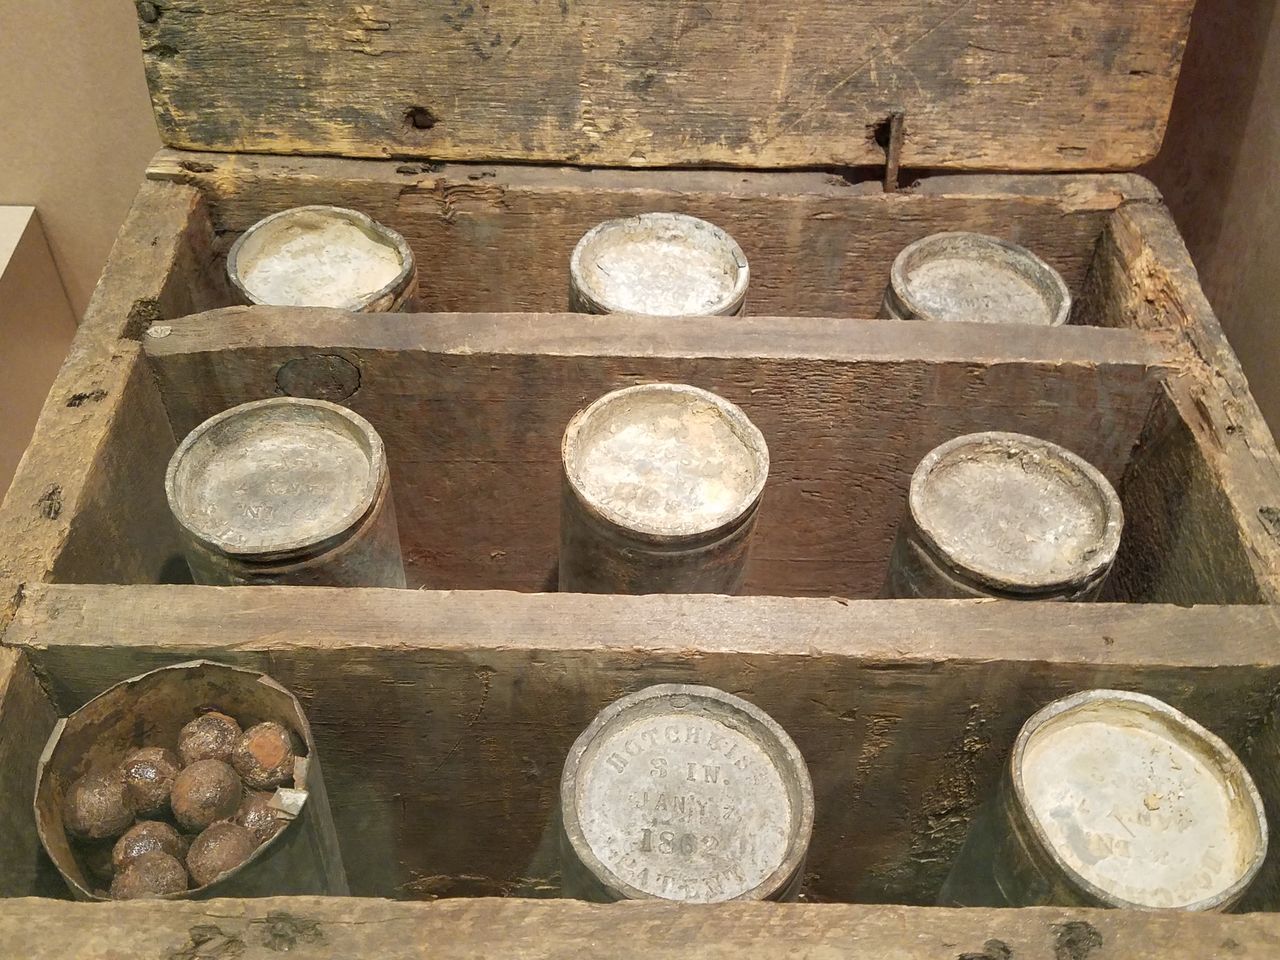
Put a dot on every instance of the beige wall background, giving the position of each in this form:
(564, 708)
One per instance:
(75, 126)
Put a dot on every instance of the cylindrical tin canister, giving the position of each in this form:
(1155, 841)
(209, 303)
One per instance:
(658, 264)
(1115, 799)
(684, 793)
(320, 256)
(286, 491)
(1005, 515)
(662, 483)
(972, 278)
(303, 858)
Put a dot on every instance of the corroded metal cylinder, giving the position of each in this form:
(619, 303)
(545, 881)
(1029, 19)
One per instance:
(658, 264)
(286, 491)
(684, 793)
(321, 256)
(973, 278)
(1005, 515)
(1114, 799)
(302, 858)
(662, 484)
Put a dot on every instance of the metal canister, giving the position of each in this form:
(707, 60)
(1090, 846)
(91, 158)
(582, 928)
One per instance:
(1115, 799)
(286, 491)
(658, 264)
(684, 793)
(662, 484)
(973, 278)
(1005, 515)
(302, 858)
(321, 256)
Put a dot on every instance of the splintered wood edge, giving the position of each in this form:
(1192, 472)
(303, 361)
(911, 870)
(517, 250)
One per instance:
(319, 927)
(185, 621)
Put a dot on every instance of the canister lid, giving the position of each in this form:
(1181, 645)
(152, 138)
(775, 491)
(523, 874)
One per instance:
(665, 460)
(687, 793)
(1139, 804)
(660, 264)
(1015, 512)
(973, 278)
(275, 477)
(319, 256)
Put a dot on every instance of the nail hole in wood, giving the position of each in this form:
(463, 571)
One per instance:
(420, 118)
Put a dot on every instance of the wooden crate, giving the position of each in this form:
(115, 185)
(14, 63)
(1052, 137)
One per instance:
(444, 713)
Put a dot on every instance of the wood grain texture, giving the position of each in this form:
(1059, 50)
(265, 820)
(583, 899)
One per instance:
(313, 928)
(499, 237)
(101, 431)
(1143, 278)
(983, 84)
(472, 408)
(1261, 754)
(26, 720)
(444, 717)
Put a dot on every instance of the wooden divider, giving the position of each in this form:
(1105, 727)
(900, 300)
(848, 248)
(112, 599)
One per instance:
(443, 719)
(472, 408)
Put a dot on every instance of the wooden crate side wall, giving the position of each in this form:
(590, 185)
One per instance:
(473, 407)
(443, 719)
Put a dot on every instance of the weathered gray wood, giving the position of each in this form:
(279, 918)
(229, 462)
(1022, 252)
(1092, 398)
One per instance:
(499, 237)
(26, 720)
(313, 928)
(982, 84)
(444, 718)
(472, 408)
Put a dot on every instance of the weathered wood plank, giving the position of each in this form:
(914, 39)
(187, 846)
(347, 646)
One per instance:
(26, 720)
(1143, 278)
(314, 928)
(472, 408)
(984, 84)
(102, 432)
(499, 237)
(444, 718)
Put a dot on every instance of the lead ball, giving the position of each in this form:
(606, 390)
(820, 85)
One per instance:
(147, 836)
(211, 736)
(263, 756)
(256, 816)
(153, 874)
(222, 847)
(206, 791)
(148, 776)
(97, 807)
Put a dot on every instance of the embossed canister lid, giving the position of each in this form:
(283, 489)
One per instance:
(1139, 805)
(687, 793)
(973, 278)
(665, 461)
(1015, 513)
(659, 264)
(319, 256)
(275, 477)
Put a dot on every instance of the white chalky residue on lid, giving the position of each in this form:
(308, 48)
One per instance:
(661, 276)
(964, 289)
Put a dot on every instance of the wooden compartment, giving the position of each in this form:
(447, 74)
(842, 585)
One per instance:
(444, 713)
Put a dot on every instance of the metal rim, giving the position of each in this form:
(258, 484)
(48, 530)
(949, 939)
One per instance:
(1223, 759)
(1040, 273)
(366, 224)
(1108, 501)
(743, 429)
(601, 303)
(772, 737)
(365, 500)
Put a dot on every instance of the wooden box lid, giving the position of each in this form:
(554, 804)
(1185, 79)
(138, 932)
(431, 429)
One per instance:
(982, 84)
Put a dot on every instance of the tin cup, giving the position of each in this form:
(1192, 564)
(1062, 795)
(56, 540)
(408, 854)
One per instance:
(321, 256)
(1114, 799)
(1005, 515)
(286, 491)
(684, 793)
(662, 484)
(973, 278)
(150, 710)
(658, 264)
